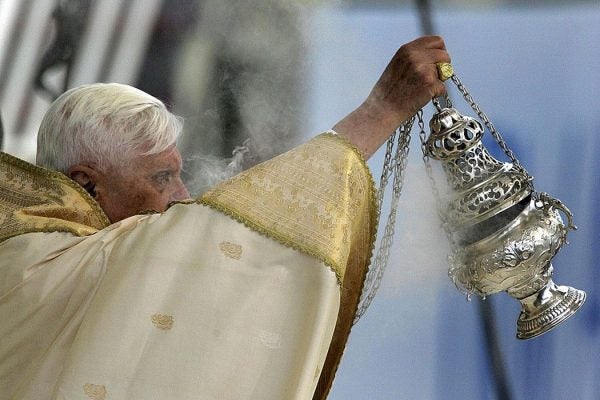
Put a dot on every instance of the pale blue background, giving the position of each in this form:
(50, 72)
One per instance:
(535, 72)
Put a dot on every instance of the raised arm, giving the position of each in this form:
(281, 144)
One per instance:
(408, 83)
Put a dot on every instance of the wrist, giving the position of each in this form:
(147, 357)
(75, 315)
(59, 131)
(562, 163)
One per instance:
(388, 116)
(368, 127)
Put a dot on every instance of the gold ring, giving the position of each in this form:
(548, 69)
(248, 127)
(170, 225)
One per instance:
(445, 70)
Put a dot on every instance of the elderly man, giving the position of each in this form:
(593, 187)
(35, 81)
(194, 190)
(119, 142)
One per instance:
(115, 285)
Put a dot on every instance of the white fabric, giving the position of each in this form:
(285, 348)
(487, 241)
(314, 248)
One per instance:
(251, 318)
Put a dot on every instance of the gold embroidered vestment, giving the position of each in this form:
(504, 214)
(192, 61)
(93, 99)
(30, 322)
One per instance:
(317, 199)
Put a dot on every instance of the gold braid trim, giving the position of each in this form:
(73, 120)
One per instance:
(35, 199)
(318, 198)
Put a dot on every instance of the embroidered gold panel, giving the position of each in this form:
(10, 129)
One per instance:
(317, 198)
(34, 199)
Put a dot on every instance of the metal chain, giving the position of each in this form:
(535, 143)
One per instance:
(469, 99)
(386, 170)
(392, 165)
(395, 165)
(448, 101)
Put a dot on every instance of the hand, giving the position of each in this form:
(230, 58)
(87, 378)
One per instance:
(408, 83)
(411, 79)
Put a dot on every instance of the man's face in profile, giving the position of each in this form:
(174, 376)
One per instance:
(144, 183)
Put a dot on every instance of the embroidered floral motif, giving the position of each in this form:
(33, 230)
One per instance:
(94, 392)
(162, 321)
(231, 250)
(270, 339)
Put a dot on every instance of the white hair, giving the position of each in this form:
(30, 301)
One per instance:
(105, 124)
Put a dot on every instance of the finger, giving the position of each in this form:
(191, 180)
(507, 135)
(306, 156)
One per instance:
(426, 77)
(429, 42)
(434, 56)
(431, 80)
(439, 89)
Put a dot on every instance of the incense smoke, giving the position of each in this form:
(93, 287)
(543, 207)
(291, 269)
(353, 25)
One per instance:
(244, 85)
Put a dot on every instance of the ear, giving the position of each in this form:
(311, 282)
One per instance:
(86, 176)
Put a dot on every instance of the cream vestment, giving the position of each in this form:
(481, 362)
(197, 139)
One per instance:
(246, 293)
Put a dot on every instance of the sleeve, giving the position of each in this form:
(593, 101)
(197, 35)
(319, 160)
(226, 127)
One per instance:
(320, 199)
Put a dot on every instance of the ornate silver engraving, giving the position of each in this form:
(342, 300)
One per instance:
(504, 235)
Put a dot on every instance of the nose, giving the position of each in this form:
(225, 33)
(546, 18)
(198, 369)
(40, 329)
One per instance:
(181, 192)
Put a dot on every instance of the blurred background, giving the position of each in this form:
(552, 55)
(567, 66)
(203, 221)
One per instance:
(266, 75)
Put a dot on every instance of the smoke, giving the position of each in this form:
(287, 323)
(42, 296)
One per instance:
(211, 170)
(418, 259)
(241, 77)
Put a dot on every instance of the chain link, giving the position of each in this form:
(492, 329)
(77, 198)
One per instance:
(447, 99)
(392, 165)
(499, 139)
